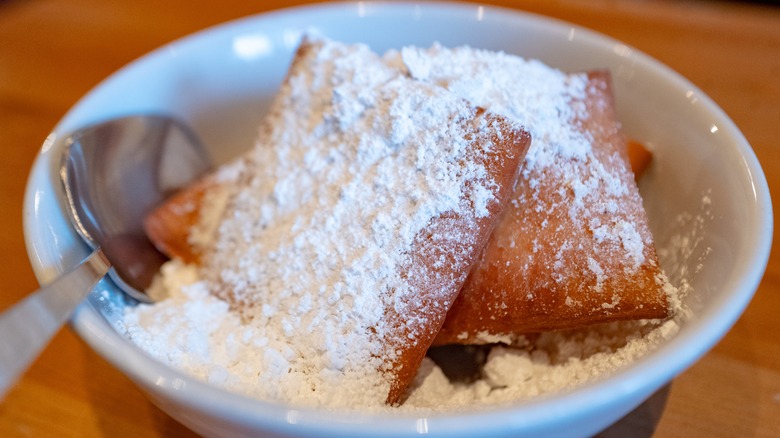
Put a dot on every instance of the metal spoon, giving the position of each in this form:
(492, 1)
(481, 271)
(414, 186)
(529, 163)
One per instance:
(113, 174)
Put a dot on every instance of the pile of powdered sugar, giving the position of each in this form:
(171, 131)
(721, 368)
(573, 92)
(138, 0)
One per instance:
(286, 307)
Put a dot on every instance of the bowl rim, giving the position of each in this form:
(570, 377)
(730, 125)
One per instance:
(709, 326)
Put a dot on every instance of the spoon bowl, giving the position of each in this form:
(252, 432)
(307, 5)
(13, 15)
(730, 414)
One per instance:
(113, 174)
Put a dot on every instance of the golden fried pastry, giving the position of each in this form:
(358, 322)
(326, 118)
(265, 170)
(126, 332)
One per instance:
(639, 158)
(545, 269)
(355, 222)
(168, 226)
(430, 196)
(445, 251)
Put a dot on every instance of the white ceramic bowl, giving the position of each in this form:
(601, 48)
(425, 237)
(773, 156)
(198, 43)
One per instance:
(221, 80)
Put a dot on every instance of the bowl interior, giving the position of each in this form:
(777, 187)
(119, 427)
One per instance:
(705, 194)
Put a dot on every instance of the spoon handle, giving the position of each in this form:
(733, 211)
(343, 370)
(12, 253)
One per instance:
(27, 327)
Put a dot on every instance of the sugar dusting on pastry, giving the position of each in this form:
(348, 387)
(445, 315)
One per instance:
(549, 103)
(285, 307)
(354, 161)
(573, 247)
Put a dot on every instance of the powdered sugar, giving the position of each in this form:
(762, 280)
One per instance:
(555, 362)
(290, 303)
(550, 103)
(484, 78)
(313, 246)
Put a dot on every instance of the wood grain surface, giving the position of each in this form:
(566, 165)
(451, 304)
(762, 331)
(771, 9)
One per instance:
(53, 51)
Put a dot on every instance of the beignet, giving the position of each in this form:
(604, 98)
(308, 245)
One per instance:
(354, 221)
(573, 248)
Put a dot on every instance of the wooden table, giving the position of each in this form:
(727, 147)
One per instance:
(54, 51)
